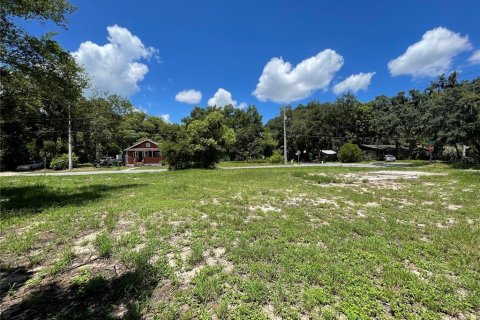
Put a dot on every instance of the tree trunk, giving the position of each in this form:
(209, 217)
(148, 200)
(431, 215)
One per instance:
(459, 156)
(476, 143)
(411, 146)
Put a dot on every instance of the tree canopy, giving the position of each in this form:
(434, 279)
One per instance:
(42, 86)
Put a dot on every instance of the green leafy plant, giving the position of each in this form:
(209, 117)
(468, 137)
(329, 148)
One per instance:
(315, 297)
(350, 152)
(208, 284)
(83, 277)
(66, 257)
(276, 157)
(200, 143)
(61, 162)
(104, 245)
(197, 253)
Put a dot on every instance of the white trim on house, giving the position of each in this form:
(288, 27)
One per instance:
(136, 144)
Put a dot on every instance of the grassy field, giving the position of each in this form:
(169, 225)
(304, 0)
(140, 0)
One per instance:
(228, 164)
(286, 243)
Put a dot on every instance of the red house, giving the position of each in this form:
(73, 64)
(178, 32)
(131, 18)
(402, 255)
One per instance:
(143, 153)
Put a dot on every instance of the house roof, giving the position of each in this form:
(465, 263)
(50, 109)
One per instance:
(379, 146)
(146, 140)
(328, 151)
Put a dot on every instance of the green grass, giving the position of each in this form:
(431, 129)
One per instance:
(321, 243)
(229, 164)
(104, 244)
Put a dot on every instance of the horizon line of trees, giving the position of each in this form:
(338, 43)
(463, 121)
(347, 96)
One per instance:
(446, 113)
(42, 87)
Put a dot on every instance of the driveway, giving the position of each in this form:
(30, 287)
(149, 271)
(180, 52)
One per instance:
(136, 170)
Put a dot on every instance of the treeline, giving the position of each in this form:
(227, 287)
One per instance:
(445, 114)
(41, 92)
(42, 88)
(42, 101)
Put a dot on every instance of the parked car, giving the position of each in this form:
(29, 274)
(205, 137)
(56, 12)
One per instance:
(31, 166)
(389, 158)
(104, 162)
(108, 162)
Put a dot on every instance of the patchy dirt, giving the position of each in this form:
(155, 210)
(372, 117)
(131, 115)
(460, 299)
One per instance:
(179, 239)
(390, 180)
(319, 222)
(410, 266)
(84, 244)
(211, 257)
(163, 292)
(264, 208)
(361, 213)
(186, 252)
(216, 257)
(302, 199)
(454, 207)
(252, 217)
(108, 268)
(372, 204)
(268, 310)
(446, 224)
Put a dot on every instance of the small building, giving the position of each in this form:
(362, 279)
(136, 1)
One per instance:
(328, 155)
(144, 153)
(378, 151)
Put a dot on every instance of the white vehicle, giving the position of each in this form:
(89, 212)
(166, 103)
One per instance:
(389, 158)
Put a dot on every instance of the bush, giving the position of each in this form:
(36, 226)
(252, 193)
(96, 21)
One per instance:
(350, 152)
(276, 157)
(61, 162)
(200, 143)
(366, 156)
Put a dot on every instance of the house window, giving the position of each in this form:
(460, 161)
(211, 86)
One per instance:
(156, 153)
(148, 144)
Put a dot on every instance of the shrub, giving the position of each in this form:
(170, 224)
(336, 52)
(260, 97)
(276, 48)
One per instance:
(61, 162)
(200, 143)
(350, 152)
(276, 157)
(367, 156)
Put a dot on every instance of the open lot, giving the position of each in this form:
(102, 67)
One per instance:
(295, 243)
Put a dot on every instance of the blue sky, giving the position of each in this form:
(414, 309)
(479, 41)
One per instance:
(159, 48)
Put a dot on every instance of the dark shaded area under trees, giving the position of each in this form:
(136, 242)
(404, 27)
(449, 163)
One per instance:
(42, 86)
(445, 114)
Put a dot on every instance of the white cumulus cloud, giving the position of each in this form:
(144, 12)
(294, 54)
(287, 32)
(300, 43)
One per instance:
(475, 57)
(189, 96)
(282, 83)
(116, 66)
(431, 56)
(222, 97)
(354, 83)
(165, 117)
(242, 105)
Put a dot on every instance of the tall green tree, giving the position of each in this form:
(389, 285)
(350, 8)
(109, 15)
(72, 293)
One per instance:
(40, 85)
(453, 112)
(200, 143)
(253, 141)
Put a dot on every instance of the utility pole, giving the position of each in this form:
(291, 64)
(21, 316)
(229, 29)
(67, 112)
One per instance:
(70, 162)
(284, 136)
